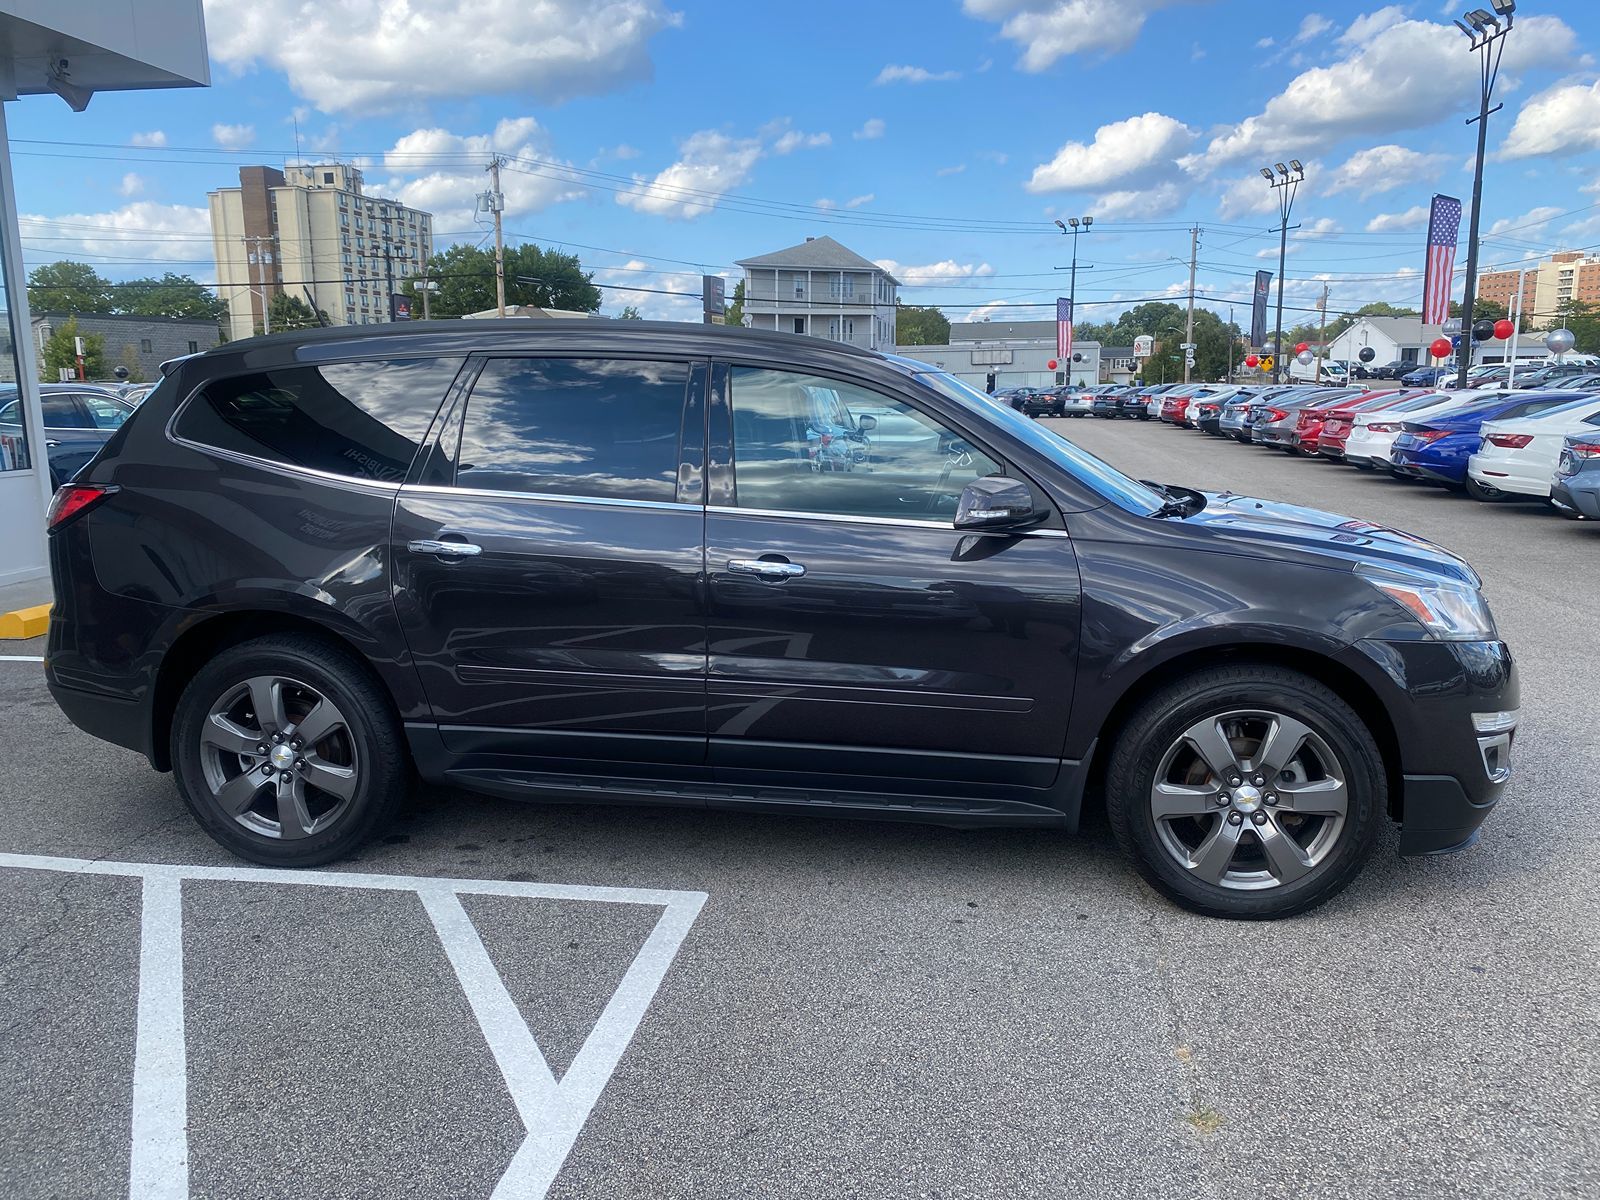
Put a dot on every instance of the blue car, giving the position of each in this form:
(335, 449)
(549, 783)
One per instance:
(1576, 489)
(1424, 376)
(1436, 449)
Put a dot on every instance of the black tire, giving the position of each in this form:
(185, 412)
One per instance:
(1484, 493)
(1160, 722)
(383, 764)
(1359, 465)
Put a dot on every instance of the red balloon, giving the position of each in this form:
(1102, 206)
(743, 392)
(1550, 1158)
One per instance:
(1504, 329)
(1252, 361)
(1051, 364)
(1441, 348)
(1301, 347)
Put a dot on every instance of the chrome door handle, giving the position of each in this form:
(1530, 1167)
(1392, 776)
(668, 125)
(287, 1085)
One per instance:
(444, 549)
(765, 569)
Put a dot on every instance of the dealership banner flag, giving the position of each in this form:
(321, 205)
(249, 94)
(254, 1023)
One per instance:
(1063, 329)
(1444, 225)
(1258, 309)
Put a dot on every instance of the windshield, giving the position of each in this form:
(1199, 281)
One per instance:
(1101, 477)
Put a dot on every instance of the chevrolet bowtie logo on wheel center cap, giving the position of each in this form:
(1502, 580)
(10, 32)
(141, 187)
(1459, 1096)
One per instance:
(282, 757)
(1246, 799)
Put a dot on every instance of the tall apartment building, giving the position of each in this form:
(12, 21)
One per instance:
(1547, 286)
(823, 289)
(311, 231)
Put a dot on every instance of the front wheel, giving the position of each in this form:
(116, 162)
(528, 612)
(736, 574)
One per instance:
(1246, 792)
(288, 751)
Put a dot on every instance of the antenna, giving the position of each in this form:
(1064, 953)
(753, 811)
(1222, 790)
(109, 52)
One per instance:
(297, 139)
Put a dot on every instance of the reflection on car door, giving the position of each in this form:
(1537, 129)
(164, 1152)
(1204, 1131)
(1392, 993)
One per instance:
(548, 555)
(853, 633)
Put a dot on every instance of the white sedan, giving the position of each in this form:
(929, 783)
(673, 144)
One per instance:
(1519, 456)
(1372, 434)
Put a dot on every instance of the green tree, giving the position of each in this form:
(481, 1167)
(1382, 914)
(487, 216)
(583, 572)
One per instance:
(60, 351)
(291, 312)
(919, 326)
(129, 358)
(734, 314)
(69, 287)
(1583, 318)
(630, 312)
(169, 295)
(534, 275)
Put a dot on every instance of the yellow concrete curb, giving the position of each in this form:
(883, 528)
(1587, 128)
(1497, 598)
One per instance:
(25, 622)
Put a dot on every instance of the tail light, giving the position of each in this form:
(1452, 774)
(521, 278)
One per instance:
(1585, 449)
(1383, 427)
(1275, 414)
(1429, 435)
(1509, 441)
(74, 500)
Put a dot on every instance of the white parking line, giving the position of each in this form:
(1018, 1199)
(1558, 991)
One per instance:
(21, 658)
(552, 1113)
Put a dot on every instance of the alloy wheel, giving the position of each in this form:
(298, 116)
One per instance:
(1249, 800)
(278, 757)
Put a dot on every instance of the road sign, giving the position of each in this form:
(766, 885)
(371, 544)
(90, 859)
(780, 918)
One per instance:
(1266, 362)
(1143, 346)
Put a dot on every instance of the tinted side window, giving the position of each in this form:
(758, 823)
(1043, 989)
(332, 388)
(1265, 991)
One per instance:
(61, 412)
(574, 427)
(803, 443)
(105, 412)
(363, 419)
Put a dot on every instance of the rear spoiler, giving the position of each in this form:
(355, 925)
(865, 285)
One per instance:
(172, 364)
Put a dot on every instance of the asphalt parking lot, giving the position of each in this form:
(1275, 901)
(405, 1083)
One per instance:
(856, 1010)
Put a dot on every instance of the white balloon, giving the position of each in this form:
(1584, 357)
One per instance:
(1559, 341)
(1304, 358)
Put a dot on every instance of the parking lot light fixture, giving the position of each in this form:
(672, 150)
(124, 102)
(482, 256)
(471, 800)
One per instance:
(1486, 36)
(1286, 187)
(1074, 226)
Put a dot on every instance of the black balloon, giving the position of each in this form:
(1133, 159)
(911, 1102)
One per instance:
(1482, 330)
(1367, 354)
(1077, 357)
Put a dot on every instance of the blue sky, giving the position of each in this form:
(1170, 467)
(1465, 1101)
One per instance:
(657, 139)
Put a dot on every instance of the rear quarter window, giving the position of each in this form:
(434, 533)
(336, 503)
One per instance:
(365, 420)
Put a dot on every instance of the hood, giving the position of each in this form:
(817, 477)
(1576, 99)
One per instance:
(1268, 525)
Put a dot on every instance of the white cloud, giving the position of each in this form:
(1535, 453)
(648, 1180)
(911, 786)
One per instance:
(640, 285)
(1047, 30)
(935, 272)
(909, 74)
(1246, 197)
(1562, 119)
(143, 230)
(824, 202)
(1157, 201)
(1529, 224)
(442, 172)
(233, 137)
(708, 161)
(625, 151)
(858, 201)
(1413, 76)
(375, 55)
(132, 184)
(1400, 222)
(955, 170)
(1322, 227)
(1312, 25)
(793, 139)
(1265, 43)
(1272, 251)
(1369, 25)
(871, 131)
(1383, 168)
(154, 137)
(1139, 149)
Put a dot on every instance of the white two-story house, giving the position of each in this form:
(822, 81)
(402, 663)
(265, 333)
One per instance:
(823, 289)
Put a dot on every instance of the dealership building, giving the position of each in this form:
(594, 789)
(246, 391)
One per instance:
(991, 355)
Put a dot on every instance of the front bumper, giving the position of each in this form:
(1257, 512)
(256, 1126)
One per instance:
(1453, 772)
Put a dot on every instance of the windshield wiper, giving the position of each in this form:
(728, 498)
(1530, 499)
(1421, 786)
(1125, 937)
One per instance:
(1179, 502)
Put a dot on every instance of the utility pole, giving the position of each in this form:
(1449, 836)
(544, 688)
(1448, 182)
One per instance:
(496, 203)
(1188, 332)
(1516, 328)
(1485, 33)
(1077, 226)
(388, 280)
(1322, 333)
(255, 257)
(1229, 378)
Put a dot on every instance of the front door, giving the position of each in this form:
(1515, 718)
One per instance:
(853, 633)
(548, 559)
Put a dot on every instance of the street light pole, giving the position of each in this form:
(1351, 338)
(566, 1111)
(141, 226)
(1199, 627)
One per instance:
(1486, 33)
(1072, 283)
(1286, 182)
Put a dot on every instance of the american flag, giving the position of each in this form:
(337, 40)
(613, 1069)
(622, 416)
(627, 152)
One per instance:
(1064, 328)
(1444, 225)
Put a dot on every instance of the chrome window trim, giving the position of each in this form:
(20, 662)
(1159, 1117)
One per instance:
(841, 518)
(434, 489)
(278, 468)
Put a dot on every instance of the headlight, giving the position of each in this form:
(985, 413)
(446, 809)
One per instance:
(1447, 608)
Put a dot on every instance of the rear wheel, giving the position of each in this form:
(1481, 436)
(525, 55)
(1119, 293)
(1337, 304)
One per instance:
(1483, 491)
(287, 751)
(1247, 792)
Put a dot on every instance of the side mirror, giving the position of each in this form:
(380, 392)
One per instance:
(996, 502)
(866, 424)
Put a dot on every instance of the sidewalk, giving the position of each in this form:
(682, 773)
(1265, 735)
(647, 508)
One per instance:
(24, 608)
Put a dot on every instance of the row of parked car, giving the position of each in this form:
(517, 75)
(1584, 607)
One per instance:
(1541, 440)
(78, 419)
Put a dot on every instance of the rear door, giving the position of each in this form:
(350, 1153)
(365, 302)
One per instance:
(854, 635)
(548, 560)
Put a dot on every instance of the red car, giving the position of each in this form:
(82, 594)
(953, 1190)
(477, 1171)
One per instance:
(1308, 428)
(1338, 419)
(1173, 407)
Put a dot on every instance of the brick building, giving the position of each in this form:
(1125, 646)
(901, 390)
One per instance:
(140, 343)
